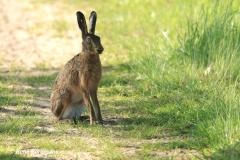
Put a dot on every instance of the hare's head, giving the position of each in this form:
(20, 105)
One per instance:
(90, 41)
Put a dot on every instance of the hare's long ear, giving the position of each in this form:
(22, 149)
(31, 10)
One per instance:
(92, 22)
(82, 23)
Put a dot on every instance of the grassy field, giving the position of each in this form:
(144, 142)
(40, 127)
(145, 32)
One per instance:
(170, 87)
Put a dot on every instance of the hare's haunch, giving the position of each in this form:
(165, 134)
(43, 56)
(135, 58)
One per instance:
(76, 85)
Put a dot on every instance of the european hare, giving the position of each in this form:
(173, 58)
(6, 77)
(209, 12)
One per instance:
(76, 85)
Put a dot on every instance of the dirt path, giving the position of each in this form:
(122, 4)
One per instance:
(26, 32)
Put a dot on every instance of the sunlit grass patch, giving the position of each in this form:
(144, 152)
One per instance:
(10, 98)
(19, 125)
(26, 111)
(40, 80)
(213, 40)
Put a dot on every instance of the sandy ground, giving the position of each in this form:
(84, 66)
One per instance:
(28, 40)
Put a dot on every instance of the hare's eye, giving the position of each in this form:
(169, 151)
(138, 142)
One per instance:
(88, 40)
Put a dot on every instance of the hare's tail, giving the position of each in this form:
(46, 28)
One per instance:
(57, 107)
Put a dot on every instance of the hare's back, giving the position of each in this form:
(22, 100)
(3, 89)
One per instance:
(69, 75)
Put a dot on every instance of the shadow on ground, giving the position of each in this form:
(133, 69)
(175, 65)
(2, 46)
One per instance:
(231, 152)
(19, 157)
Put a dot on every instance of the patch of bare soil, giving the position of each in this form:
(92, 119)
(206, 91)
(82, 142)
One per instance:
(178, 154)
(132, 147)
(63, 155)
(28, 37)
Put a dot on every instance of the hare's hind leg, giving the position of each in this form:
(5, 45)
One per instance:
(60, 103)
(65, 106)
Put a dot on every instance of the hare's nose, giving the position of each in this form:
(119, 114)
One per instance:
(100, 50)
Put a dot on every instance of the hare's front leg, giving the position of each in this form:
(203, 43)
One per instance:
(87, 101)
(96, 106)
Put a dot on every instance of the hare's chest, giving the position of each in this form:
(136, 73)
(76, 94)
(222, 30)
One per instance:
(90, 78)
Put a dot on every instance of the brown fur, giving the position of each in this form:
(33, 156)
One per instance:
(78, 82)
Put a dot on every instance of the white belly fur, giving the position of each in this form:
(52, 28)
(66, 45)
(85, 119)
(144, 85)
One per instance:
(73, 111)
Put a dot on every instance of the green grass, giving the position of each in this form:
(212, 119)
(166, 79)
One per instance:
(155, 83)
(205, 106)
(213, 39)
